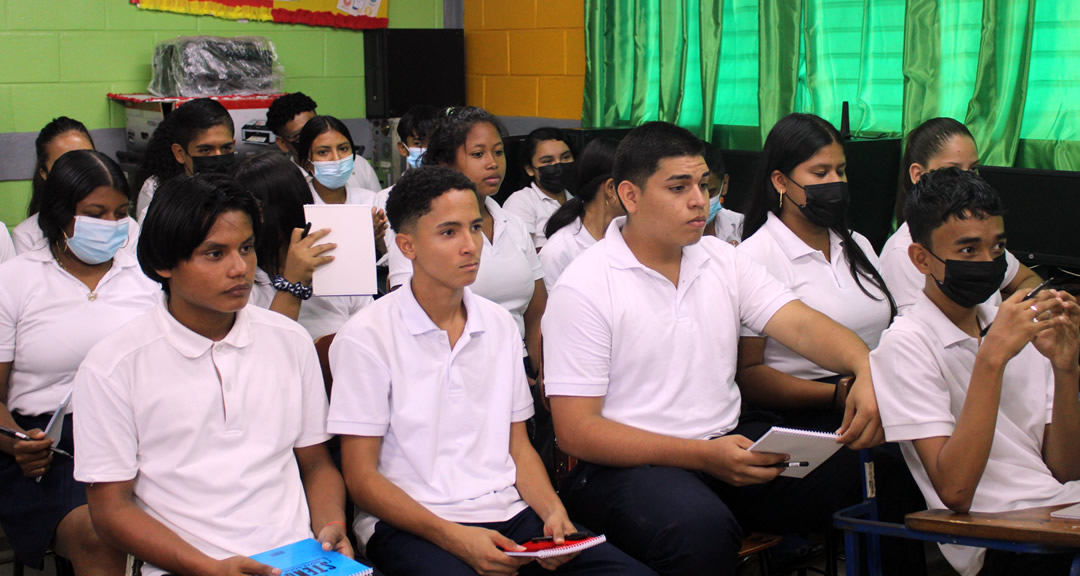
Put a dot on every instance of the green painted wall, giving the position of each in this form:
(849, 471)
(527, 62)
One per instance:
(60, 57)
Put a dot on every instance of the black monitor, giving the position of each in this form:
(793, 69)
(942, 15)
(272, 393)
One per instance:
(404, 67)
(1043, 213)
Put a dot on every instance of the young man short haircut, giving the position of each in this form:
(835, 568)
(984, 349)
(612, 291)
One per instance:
(640, 339)
(431, 399)
(205, 419)
(983, 400)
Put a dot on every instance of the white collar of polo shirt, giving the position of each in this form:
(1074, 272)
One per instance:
(941, 327)
(418, 322)
(193, 345)
(620, 257)
(793, 246)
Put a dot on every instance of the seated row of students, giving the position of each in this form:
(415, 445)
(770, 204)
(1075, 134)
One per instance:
(599, 350)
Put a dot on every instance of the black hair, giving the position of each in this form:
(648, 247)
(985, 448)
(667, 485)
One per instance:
(715, 160)
(73, 177)
(539, 135)
(55, 128)
(594, 169)
(282, 193)
(948, 193)
(792, 141)
(183, 211)
(420, 120)
(283, 109)
(453, 130)
(316, 127)
(640, 152)
(923, 143)
(414, 192)
(180, 126)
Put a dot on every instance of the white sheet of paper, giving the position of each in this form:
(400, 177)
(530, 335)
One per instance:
(55, 428)
(352, 272)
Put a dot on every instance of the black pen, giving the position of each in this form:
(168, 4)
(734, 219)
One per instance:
(307, 230)
(10, 433)
(792, 464)
(1037, 289)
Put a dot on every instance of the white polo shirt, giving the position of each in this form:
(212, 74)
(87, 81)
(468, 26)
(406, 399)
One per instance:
(922, 370)
(206, 429)
(28, 236)
(146, 195)
(319, 315)
(533, 208)
(353, 194)
(729, 226)
(443, 414)
(662, 356)
(904, 279)
(48, 322)
(824, 285)
(7, 248)
(560, 250)
(509, 266)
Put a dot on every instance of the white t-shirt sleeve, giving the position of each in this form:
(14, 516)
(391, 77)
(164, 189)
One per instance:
(519, 206)
(1012, 267)
(532, 256)
(9, 319)
(901, 277)
(360, 400)
(7, 248)
(912, 394)
(106, 437)
(553, 259)
(522, 400)
(760, 294)
(314, 410)
(365, 175)
(577, 345)
(400, 267)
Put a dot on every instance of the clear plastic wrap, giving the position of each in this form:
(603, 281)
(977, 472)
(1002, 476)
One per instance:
(213, 66)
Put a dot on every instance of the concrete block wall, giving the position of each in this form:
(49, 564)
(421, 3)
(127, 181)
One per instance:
(526, 57)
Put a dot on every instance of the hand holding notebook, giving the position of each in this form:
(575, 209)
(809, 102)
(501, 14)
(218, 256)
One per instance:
(801, 445)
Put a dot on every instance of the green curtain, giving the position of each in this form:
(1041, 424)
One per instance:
(729, 69)
(780, 34)
(652, 60)
(997, 106)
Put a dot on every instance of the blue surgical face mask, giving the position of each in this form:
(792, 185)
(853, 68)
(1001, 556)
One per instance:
(414, 157)
(334, 173)
(95, 240)
(714, 208)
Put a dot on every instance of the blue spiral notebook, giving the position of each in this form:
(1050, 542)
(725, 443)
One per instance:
(307, 557)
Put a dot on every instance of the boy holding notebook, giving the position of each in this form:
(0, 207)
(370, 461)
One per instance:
(202, 423)
(640, 342)
(431, 399)
(983, 400)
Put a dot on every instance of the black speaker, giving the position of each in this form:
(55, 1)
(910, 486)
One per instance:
(405, 67)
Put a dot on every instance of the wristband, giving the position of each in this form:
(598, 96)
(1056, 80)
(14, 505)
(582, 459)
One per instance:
(296, 289)
(336, 522)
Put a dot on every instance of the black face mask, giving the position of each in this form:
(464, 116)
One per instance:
(555, 177)
(971, 283)
(220, 164)
(826, 204)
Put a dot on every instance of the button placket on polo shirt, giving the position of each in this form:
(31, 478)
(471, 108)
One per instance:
(223, 358)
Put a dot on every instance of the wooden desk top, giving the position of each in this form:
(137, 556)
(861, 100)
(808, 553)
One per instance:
(1030, 525)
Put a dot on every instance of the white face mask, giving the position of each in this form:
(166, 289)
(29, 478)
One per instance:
(95, 241)
(334, 173)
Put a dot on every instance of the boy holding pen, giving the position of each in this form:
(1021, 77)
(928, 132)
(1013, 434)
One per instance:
(983, 400)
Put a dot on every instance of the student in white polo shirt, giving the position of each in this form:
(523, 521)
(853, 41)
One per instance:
(640, 342)
(288, 259)
(580, 222)
(724, 223)
(549, 161)
(202, 422)
(983, 399)
(326, 151)
(56, 302)
(796, 227)
(431, 400)
(936, 143)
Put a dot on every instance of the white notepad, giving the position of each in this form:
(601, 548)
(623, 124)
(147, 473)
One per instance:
(55, 428)
(813, 447)
(1068, 513)
(352, 273)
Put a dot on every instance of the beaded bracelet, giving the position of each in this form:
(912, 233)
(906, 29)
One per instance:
(296, 289)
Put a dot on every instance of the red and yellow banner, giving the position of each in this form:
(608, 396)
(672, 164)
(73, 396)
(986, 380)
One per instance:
(355, 14)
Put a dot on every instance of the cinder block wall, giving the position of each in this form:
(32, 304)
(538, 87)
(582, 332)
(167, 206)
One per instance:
(526, 57)
(61, 57)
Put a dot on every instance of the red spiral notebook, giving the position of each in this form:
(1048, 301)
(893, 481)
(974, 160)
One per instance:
(549, 549)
